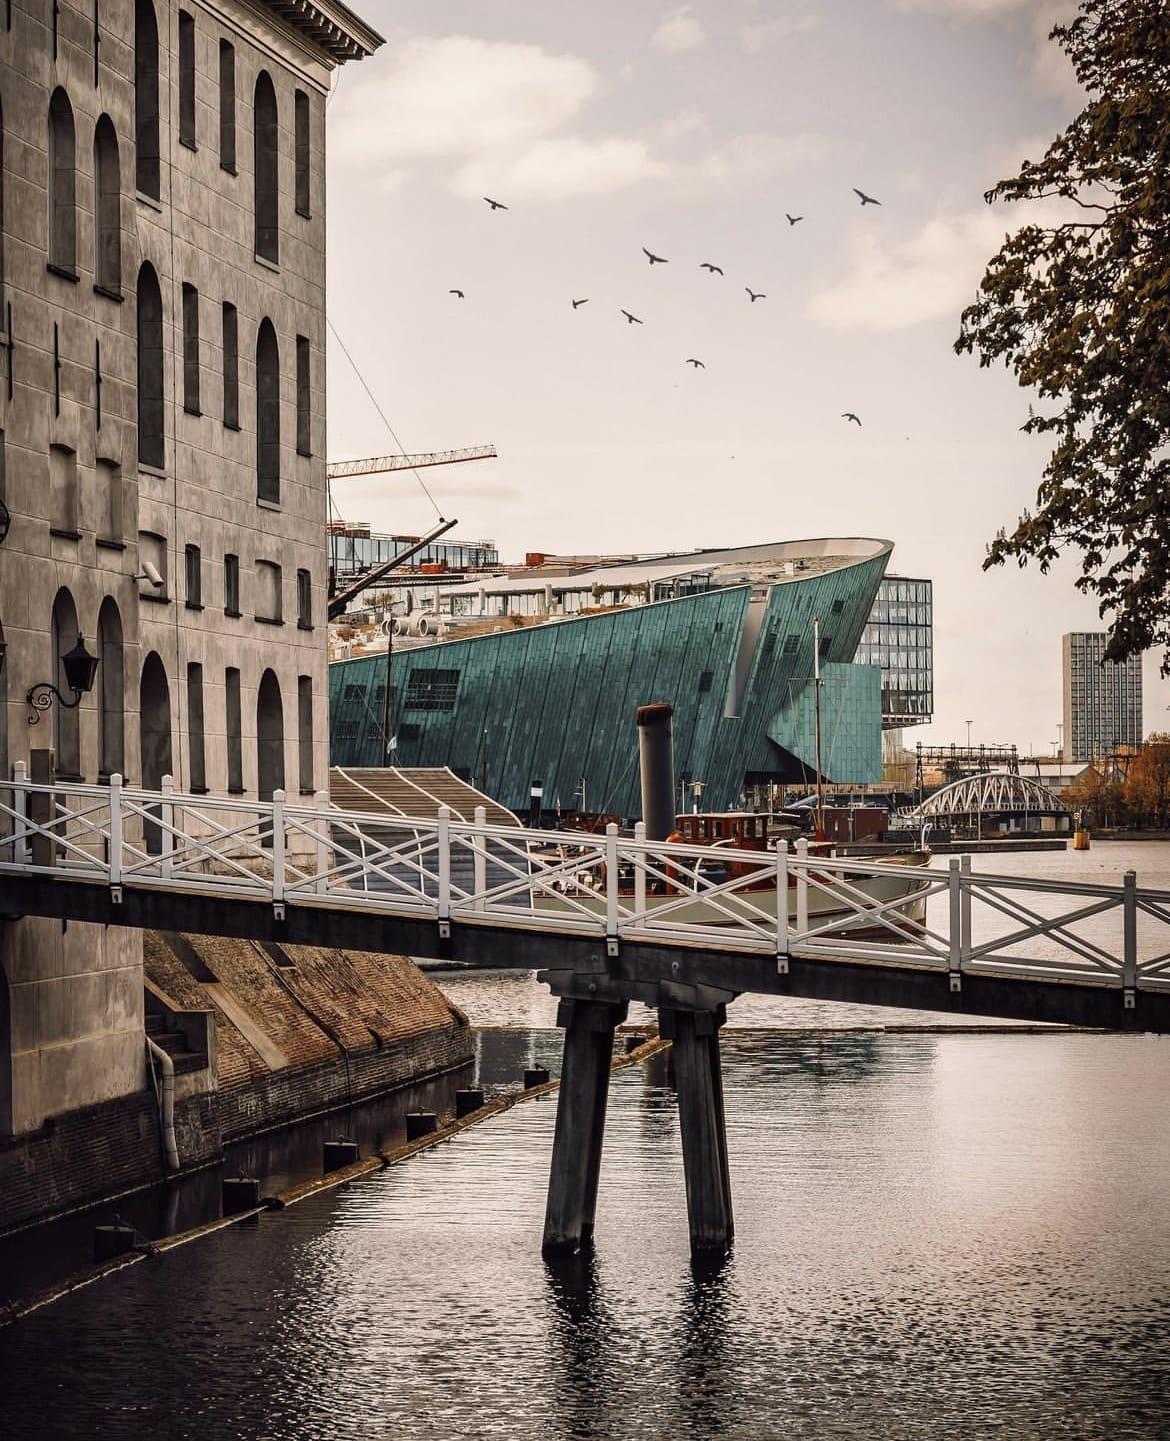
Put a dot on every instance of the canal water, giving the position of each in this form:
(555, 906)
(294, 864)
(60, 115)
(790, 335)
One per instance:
(937, 1235)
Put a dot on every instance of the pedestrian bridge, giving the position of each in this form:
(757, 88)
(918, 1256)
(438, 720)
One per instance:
(640, 919)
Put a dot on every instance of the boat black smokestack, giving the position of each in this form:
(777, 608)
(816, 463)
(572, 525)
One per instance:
(656, 757)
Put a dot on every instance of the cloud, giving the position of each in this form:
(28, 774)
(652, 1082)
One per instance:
(961, 8)
(893, 284)
(758, 35)
(456, 96)
(754, 154)
(561, 166)
(502, 118)
(678, 31)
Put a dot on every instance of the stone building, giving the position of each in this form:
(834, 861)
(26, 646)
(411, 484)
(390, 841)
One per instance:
(162, 444)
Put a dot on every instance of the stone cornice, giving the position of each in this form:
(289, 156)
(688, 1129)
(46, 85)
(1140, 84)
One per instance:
(331, 26)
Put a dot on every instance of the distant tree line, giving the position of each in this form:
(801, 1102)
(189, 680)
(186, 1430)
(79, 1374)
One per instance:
(1141, 799)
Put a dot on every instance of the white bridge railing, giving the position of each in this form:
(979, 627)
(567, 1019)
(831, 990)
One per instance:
(610, 886)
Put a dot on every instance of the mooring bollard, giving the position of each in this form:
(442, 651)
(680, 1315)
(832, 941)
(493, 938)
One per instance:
(342, 1152)
(420, 1123)
(467, 1101)
(240, 1193)
(535, 1076)
(111, 1241)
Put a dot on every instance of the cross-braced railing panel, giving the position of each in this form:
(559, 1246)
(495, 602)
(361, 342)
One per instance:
(613, 886)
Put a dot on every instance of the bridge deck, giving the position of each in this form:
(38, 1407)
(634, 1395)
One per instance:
(619, 911)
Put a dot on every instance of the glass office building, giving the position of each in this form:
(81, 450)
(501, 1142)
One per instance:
(899, 637)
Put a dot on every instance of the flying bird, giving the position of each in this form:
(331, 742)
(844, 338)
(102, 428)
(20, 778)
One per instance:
(848, 415)
(633, 319)
(580, 302)
(714, 269)
(755, 294)
(864, 198)
(792, 219)
(698, 364)
(495, 204)
(459, 293)
(654, 259)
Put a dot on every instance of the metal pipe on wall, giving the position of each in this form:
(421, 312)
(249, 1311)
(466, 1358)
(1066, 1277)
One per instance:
(656, 758)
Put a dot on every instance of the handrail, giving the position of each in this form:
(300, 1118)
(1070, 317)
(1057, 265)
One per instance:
(609, 886)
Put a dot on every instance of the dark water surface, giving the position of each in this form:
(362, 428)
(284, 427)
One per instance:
(937, 1236)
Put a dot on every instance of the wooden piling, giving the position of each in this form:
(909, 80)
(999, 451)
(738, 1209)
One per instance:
(580, 1128)
(699, 1084)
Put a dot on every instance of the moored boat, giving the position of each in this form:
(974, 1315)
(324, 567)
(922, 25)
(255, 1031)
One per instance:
(723, 872)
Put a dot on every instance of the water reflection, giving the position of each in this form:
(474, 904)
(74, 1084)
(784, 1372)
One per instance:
(935, 1236)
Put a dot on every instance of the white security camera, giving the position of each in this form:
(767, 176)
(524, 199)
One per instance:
(150, 573)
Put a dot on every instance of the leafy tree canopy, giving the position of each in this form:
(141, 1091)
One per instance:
(1080, 310)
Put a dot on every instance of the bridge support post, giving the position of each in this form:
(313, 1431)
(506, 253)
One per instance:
(699, 1083)
(580, 1130)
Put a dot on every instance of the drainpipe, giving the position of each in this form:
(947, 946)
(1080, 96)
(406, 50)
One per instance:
(166, 1101)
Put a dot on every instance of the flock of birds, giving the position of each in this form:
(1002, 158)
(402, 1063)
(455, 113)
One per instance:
(707, 265)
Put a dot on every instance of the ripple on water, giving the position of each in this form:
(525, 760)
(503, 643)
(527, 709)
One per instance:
(956, 1236)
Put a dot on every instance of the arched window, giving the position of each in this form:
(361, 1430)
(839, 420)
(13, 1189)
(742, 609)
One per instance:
(154, 737)
(151, 441)
(3, 320)
(107, 231)
(147, 171)
(264, 142)
(66, 727)
(111, 737)
(267, 414)
(62, 186)
(269, 741)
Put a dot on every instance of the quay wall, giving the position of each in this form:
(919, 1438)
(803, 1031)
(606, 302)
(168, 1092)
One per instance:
(293, 1032)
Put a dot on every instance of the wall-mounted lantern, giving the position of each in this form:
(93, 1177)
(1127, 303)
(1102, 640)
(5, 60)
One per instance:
(80, 669)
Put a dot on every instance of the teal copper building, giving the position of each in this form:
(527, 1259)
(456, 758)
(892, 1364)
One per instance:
(536, 675)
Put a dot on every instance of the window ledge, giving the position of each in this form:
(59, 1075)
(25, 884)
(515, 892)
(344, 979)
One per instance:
(308, 454)
(229, 166)
(232, 614)
(109, 292)
(304, 625)
(200, 790)
(64, 271)
(236, 791)
(193, 605)
(305, 214)
(154, 201)
(191, 409)
(231, 425)
(153, 598)
(187, 144)
(268, 620)
(60, 533)
(267, 504)
(307, 791)
(108, 542)
(155, 470)
(266, 263)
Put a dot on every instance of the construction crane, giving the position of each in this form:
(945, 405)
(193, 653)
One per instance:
(341, 469)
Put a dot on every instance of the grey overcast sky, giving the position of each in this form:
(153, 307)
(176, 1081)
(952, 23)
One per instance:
(694, 130)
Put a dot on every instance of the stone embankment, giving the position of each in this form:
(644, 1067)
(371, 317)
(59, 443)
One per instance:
(259, 1036)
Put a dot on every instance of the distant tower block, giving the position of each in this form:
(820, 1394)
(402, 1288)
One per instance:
(1102, 699)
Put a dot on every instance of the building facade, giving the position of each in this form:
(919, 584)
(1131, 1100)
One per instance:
(163, 439)
(1102, 699)
(899, 637)
(548, 687)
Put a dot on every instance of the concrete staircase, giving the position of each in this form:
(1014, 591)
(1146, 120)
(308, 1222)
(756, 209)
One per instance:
(173, 1042)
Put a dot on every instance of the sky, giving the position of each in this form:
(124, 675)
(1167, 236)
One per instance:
(695, 131)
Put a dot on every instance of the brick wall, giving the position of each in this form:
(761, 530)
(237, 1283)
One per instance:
(350, 1025)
